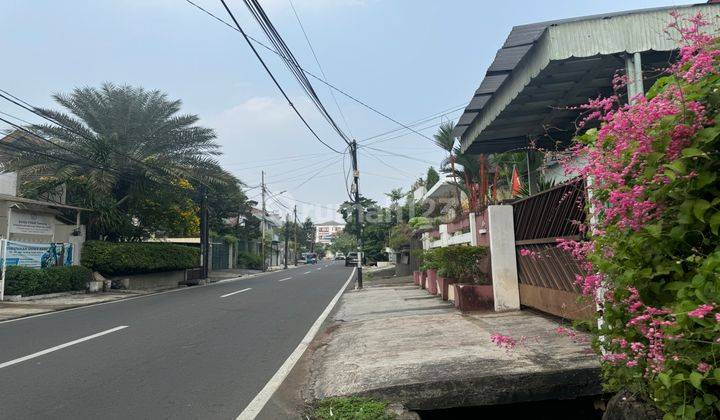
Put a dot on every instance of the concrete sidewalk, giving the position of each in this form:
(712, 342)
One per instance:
(10, 310)
(395, 342)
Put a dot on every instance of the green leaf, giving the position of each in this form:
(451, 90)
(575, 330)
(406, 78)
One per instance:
(705, 178)
(676, 285)
(678, 166)
(668, 416)
(715, 223)
(700, 207)
(693, 152)
(665, 379)
(716, 374)
(696, 379)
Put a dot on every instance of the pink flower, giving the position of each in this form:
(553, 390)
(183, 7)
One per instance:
(631, 363)
(503, 341)
(703, 367)
(529, 253)
(717, 317)
(700, 311)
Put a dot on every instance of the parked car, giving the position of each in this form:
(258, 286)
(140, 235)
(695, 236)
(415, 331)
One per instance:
(339, 256)
(351, 259)
(311, 258)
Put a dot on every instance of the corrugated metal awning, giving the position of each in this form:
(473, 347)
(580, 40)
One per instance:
(545, 68)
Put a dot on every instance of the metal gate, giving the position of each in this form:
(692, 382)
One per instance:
(547, 274)
(220, 252)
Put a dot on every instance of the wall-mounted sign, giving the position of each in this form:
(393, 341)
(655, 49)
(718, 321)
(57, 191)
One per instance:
(26, 223)
(39, 255)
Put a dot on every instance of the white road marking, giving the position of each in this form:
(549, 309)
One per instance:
(257, 404)
(61, 346)
(234, 293)
(128, 299)
(307, 272)
(286, 278)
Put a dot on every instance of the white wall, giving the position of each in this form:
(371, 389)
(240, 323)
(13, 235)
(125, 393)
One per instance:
(8, 183)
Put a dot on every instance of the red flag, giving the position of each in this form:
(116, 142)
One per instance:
(515, 182)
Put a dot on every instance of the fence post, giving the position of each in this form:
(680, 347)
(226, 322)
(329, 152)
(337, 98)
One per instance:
(503, 264)
(473, 229)
(3, 245)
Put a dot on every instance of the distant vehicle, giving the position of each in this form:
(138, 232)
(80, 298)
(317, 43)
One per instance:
(311, 258)
(351, 259)
(339, 256)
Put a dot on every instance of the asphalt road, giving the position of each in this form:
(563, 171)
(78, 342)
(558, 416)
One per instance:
(198, 352)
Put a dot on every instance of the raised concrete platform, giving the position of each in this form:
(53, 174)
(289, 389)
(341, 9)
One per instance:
(395, 342)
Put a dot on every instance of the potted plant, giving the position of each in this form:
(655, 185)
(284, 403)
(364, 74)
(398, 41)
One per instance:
(431, 265)
(461, 269)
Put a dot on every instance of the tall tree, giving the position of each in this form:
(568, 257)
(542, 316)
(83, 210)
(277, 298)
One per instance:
(431, 178)
(444, 140)
(119, 146)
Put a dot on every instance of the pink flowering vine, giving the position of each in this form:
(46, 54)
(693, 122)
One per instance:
(503, 341)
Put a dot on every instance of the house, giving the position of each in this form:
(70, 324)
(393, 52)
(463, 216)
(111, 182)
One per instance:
(326, 232)
(528, 98)
(44, 221)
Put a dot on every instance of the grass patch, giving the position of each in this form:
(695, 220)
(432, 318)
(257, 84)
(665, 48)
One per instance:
(351, 408)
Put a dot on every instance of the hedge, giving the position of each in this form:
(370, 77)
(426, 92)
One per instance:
(121, 258)
(247, 260)
(28, 281)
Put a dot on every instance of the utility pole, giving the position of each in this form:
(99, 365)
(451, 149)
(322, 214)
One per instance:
(358, 221)
(287, 236)
(204, 233)
(295, 224)
(262, 222)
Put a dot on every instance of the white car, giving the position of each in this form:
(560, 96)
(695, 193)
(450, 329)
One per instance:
(339, 256)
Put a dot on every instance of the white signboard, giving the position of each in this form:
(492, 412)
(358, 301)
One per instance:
(38, 255)
(31, 223)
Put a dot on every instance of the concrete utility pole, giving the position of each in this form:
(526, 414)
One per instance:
(262, 222)
(287, 236)
(358, 218)
(204, 233)
(295, 232)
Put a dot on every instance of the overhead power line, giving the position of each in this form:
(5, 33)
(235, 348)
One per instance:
(291, 62)
(415, 123)
(248, 38)
(4, 94)
(272, 76)
(322, 71)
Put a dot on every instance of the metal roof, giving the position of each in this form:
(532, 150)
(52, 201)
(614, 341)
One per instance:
(543, 68)
(23, 200)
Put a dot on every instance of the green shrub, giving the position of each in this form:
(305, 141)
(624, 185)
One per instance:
(251, 261)
(461, 263)
(351, 408)
(114, 259)
(28, 281)
(431, 259)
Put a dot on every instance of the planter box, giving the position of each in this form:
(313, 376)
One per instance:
(416, 278)
(444, 287)
(423, 280)
(471, 297)
(431, 285)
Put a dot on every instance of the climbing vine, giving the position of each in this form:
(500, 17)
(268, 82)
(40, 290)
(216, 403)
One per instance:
(652, 258)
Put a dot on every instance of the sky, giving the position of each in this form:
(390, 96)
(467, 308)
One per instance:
(409, 59)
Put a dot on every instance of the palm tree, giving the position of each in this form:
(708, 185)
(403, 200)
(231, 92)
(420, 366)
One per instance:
(117, 145)
(444, 140)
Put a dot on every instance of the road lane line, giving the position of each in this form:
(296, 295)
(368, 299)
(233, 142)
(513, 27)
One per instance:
(286, 278)
(307, 272)
(257, 404)
(61, 346)
(234, 293)
(319, 268)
